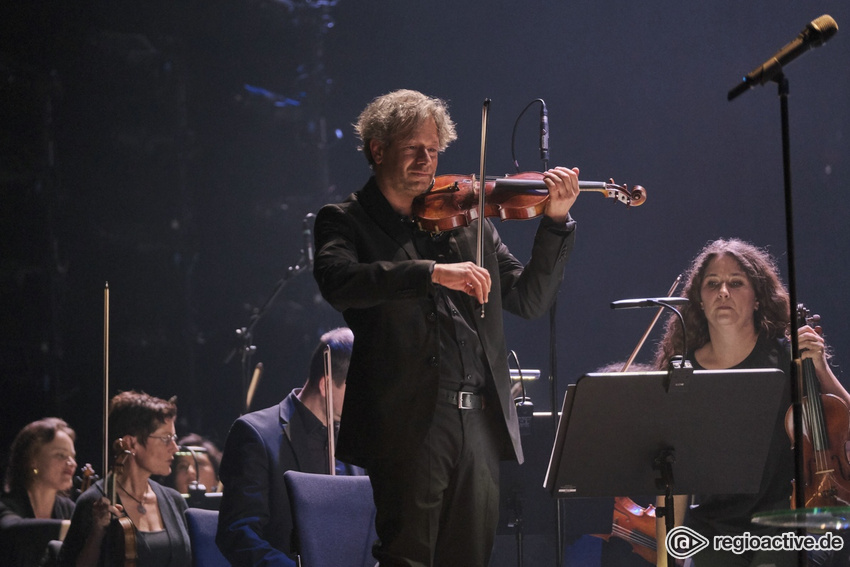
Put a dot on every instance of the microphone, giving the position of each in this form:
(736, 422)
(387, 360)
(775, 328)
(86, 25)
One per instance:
(544, 131)
(667, 302)
(818, 32)
(649, 302)
(307, 251)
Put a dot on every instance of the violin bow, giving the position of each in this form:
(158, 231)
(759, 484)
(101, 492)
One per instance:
(479, 256)
(252, 388)
(329, 408)
(110, 494)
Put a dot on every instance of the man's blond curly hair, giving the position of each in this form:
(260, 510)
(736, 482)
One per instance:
(397, 114)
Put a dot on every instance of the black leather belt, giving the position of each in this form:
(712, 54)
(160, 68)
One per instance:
(461, 399)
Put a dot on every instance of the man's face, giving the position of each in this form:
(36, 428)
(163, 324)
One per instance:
(407, 166)
(339, 398)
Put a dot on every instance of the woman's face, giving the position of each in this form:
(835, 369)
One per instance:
(55, 463)
(157, 454)
(185, 473)
(727, 296)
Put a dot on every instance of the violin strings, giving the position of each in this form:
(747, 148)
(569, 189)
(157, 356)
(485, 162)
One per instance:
(634, 536)
(817, 423)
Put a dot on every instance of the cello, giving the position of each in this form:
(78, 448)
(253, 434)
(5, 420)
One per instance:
(826, 424)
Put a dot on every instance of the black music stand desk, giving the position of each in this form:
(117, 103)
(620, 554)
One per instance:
(691, 432)
(614, 425)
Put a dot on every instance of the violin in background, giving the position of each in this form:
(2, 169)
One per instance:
(636, 525)
(83, 481)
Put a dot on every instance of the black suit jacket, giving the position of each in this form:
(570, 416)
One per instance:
(367, 267)
(255, 520)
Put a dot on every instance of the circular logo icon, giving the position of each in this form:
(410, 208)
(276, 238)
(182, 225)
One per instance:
(683, 542)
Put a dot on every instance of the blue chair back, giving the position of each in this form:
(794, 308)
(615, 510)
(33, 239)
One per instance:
(333, 519)
(202, 525)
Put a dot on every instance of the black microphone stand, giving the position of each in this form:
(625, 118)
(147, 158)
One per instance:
(796, 377)
(246, 334)
(553, 355)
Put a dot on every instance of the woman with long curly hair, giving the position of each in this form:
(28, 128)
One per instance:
(738, 316)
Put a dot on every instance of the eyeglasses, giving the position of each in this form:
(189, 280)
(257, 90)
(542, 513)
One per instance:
(64, 457)
(166, 439)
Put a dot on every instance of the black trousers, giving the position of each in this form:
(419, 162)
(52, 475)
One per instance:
(438, 503)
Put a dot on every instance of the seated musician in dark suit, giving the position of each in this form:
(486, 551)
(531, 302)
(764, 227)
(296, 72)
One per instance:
(35, 507)
(255, 520)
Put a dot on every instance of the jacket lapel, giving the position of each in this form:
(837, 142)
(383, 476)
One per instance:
(379, 210)
(292, 426)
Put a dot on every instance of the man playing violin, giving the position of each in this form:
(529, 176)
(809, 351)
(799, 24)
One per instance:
(428, 409)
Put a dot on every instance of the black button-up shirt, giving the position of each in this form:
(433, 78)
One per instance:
(462, 362)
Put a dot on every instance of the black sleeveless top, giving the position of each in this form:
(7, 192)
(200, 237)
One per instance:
(730, 514)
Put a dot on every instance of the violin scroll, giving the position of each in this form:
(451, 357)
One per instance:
(805, 317)
(83, 482)
(631, 198)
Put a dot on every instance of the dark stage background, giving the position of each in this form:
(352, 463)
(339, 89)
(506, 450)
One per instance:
(172, 148)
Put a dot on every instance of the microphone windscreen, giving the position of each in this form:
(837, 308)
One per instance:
(823, 28)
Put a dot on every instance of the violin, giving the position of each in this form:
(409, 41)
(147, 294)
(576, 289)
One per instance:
(122, 535)
(636, 525)
(826, 422)
(452, 201)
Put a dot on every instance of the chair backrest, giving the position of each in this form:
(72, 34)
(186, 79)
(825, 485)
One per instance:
(333, 519)
(202, 526)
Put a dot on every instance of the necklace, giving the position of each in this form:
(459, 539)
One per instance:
(141, 507)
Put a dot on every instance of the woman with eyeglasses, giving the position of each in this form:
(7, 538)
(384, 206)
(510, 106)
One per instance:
(35, 507)
(143, 443)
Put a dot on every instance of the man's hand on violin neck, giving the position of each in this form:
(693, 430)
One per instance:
(563, 192)
(464, 276)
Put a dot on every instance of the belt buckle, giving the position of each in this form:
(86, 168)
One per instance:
(464, 400)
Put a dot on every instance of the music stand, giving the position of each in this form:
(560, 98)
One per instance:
(659, 432)
(525, 507)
